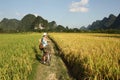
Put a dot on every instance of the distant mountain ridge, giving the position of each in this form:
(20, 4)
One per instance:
(112, 22)
(9, 24)
(32, 23)
(28, 23)
(116, 24)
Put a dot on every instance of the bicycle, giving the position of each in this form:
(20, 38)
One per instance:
(47, 56)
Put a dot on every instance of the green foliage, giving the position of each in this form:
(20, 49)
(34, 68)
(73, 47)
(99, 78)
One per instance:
(26, 23)
(39, 20)
(52, 25)
(59, 28)
(7, 25)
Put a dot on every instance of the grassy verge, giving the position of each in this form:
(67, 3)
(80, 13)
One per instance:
(33, 72)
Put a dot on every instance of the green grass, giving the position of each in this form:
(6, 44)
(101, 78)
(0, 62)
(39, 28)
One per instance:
(17, 55)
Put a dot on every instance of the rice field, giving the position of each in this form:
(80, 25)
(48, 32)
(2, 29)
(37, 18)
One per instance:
(90, 56)
(17, 55)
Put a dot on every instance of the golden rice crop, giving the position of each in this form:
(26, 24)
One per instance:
(17, 55)
(90, 56)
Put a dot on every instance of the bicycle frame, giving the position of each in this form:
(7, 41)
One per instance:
(48, 58)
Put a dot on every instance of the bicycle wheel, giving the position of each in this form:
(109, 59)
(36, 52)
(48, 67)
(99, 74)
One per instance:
(48, 59)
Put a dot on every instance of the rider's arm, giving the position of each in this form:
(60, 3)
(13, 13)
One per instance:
(48, 40)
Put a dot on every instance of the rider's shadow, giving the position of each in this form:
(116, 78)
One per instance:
(38, 56)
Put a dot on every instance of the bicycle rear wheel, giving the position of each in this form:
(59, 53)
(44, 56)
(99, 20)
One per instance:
(48, 59)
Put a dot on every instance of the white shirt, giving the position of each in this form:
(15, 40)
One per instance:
(44, 42)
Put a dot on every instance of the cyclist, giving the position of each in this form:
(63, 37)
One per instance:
(44, 42)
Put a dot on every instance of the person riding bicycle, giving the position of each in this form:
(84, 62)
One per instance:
(44, 42)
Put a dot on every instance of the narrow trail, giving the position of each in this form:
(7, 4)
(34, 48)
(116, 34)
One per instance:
(56, 71)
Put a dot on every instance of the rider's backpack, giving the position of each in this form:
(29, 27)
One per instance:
(41, 46)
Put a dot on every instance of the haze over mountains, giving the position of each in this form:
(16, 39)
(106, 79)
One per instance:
(31, 23)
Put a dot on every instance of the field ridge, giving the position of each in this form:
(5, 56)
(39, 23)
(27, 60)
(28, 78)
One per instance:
(56, 71)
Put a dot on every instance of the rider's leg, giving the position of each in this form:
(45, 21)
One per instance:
(46, 57)
(43, 55)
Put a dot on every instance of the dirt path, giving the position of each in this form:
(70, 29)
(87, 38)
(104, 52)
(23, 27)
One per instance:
(56, 71)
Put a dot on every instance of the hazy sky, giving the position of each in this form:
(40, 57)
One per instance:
(72, 13)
